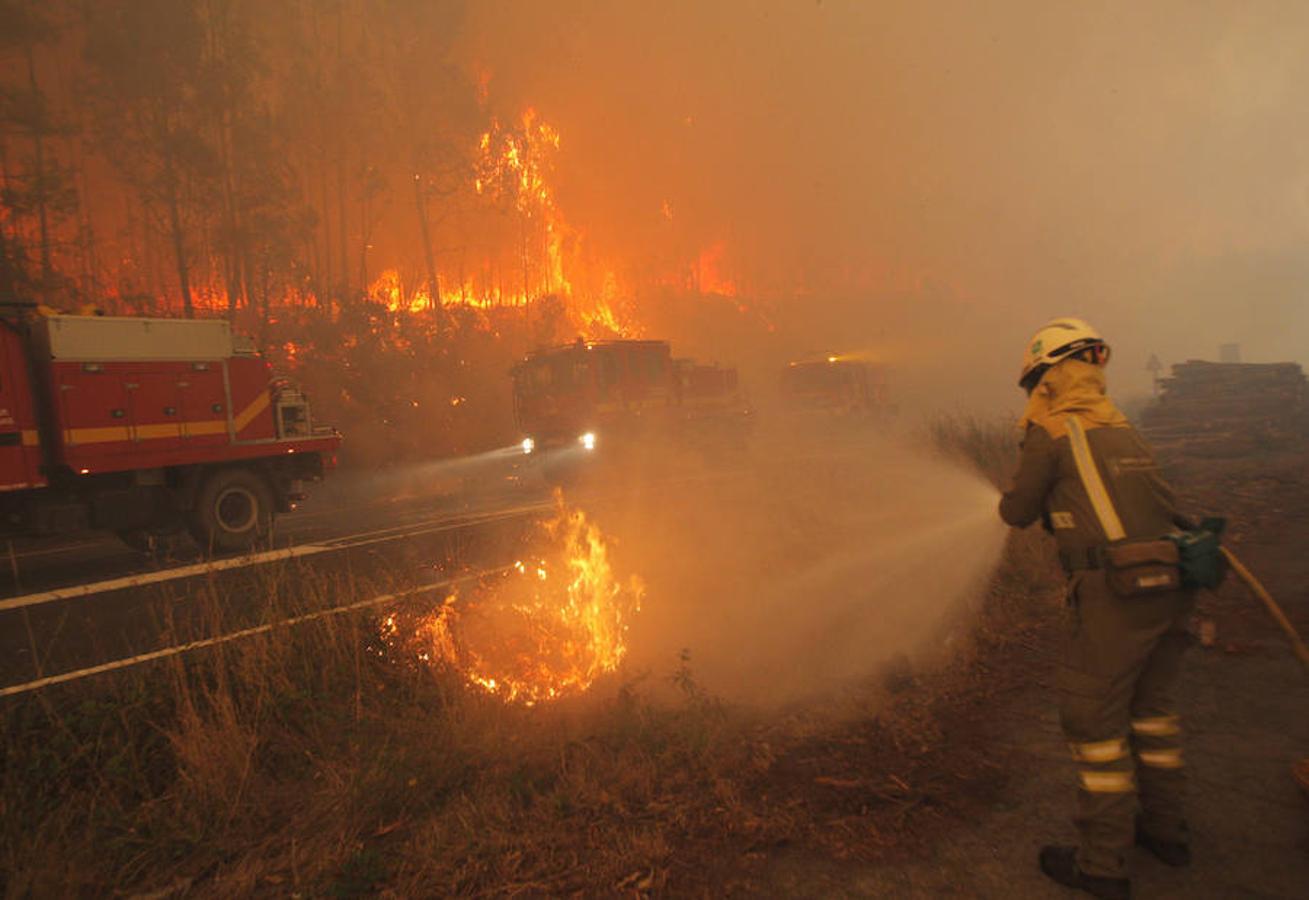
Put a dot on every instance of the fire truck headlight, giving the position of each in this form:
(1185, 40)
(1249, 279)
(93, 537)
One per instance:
(528, 445)
(587, 440)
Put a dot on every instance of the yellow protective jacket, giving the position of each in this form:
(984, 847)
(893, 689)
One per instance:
(1047, 485)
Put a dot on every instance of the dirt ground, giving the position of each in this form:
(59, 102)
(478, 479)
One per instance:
(1245, 703)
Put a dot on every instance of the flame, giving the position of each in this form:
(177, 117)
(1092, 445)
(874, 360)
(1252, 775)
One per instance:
(710, 275)
(516, 163)
(515, 166)
(389, 290)
(603, 320)
(546, 629)
(512, 245)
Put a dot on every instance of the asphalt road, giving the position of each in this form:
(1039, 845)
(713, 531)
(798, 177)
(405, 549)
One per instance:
(73, 603)
(68, 605)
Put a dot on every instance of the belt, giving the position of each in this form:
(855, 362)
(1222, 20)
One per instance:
(1078, 558)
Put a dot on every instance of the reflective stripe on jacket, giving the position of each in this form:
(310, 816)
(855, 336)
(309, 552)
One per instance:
(1047, 487)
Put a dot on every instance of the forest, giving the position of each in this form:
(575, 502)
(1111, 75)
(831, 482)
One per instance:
(333, 176)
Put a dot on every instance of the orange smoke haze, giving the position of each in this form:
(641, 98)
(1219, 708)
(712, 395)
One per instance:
(757, 181)
(941, 177)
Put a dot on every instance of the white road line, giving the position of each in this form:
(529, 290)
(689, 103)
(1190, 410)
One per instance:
(179, 649)
(413, 529)
(61, 548)
(127, 581)
(298, 552)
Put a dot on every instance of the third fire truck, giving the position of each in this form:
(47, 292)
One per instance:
(836, 386)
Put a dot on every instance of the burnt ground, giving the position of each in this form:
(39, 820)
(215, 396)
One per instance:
(1000, 784)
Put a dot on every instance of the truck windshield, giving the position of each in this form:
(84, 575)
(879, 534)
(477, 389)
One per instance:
(560, 374)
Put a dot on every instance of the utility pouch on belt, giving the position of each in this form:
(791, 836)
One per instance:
(1132, 568)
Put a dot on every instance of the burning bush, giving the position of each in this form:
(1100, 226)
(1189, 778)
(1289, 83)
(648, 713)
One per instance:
(543, 629)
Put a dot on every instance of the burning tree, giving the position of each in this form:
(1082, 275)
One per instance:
(38, 197)
(513, 168)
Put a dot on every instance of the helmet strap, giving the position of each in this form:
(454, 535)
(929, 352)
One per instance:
(1033, 379)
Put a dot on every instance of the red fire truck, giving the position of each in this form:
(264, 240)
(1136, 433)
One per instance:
(593, 394)
(835, 386)
(716, 417)
(148, 427)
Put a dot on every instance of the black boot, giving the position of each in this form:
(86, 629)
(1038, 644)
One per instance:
(1060, 864)
(1170, 853)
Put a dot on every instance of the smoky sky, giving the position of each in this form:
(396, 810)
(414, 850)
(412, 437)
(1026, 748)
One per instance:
(941, 177)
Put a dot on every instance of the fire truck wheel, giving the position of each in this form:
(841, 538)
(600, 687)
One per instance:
(233, 510)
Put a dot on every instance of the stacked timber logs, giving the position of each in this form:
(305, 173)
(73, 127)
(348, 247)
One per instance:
(1230, 409)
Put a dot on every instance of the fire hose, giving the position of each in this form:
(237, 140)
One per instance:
(1297, 643)
(1300, 770)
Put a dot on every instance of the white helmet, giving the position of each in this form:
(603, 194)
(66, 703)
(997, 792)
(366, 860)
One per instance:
(1057, 340)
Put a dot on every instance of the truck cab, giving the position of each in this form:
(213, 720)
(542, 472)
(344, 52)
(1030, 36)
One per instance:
(592, 393)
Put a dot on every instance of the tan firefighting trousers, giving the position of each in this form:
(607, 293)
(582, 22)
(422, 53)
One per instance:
(1118, 713)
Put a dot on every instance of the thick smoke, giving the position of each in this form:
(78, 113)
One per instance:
(937, 180)
(755, 179)
(826, 556)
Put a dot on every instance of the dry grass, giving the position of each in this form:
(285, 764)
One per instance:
(307, 761)
(990, 445)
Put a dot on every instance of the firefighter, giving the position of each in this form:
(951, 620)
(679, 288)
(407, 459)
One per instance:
(1123, 653)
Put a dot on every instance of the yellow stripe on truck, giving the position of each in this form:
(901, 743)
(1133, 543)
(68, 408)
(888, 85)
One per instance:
(97, 435)
(247, 415)
(78, 436)
(168, 429)
(210, 426)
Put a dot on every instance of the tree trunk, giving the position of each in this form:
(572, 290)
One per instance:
(343, 245)
(179, 249)
(233, 240)
(86, 232)
(264, 291)
(526, 288)
(232, 258)
(364, 238)
(153, 284)
(4, 187)
(429, 257)
(329, 275)
(39, 178)
(341, 149)
(90, 265)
